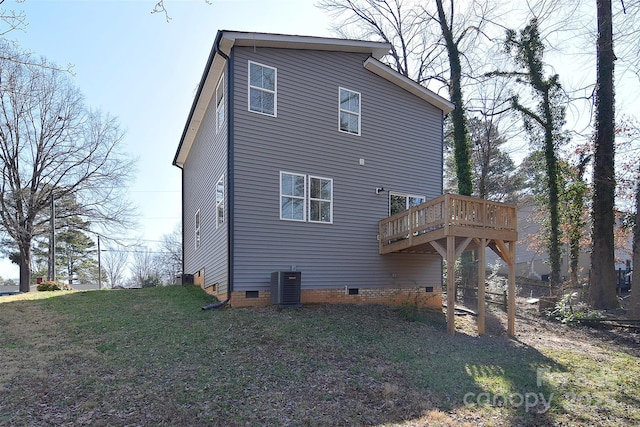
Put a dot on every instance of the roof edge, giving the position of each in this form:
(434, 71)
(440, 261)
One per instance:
(287, 41)
(388, 73)
(176, 159)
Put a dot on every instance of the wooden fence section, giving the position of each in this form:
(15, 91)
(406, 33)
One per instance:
(447, 215)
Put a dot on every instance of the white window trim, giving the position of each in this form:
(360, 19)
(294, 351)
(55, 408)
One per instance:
(307, 198)
(310, 177)
(274, 91)
(304, 198)
(197, 226)
(221, 105)
(359, 113)
(221, 202)
(407, 195)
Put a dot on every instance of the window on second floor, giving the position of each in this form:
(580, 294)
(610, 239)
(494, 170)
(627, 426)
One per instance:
(399, 202)
(197, 229)
(349, 111)
(220, 202)
(262, 89)
(220, 104)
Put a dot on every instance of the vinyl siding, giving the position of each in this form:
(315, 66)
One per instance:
(206, 163)
(400, 142)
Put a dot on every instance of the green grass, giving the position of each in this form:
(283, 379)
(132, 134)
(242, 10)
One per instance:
(153, 357)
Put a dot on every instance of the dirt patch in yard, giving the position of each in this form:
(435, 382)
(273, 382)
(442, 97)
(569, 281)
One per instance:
(535, 330)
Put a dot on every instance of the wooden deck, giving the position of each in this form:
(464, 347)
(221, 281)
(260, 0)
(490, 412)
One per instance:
(450, 225)
(464, 217)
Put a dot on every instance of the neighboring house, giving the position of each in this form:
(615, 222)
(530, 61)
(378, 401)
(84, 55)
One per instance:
(532, 258)
(294, 149)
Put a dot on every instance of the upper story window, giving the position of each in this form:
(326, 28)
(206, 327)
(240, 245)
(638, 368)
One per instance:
(220, 103)
(306, 198)
(262, 89)
(349, 111)
(399, 202)
(197, 229)
(220, 202)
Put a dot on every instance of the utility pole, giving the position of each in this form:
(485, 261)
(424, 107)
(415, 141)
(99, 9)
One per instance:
(51, 271)
(99, 266)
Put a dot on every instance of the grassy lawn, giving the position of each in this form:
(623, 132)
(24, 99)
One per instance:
(153, 357)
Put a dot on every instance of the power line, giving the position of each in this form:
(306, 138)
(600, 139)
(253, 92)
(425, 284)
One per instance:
(136, 252)
(154, 191)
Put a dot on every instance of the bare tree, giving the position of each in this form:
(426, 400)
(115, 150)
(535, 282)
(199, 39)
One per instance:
(114, 262)
(53, 146)
(458, 117)
(144, 265)
(161, 8)
(415, 51)
(626, 19)
(169, 257)
(11, 20)
(635, 285)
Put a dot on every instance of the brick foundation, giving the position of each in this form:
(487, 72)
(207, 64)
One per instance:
(396, 297)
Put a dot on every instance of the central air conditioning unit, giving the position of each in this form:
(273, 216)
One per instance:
(285, 288)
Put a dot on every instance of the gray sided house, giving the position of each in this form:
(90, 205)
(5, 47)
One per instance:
(294, 149)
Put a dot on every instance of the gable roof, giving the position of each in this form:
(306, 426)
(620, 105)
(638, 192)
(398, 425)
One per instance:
(386, 72)
(226, 40)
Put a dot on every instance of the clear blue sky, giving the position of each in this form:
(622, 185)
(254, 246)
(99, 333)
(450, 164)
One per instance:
(144, 70)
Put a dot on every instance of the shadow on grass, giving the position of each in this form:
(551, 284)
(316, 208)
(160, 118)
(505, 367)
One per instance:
(488, 376)
(367, 365)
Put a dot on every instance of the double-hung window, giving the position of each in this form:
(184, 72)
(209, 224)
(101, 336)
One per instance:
(220, 104)
(320, 199)
(262, 89)
(220, 202)
(349, 111)
(399, 202)
(197, 229)
(293, 194)
(306, 198)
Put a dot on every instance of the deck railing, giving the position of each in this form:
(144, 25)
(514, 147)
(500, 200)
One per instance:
(446, 211)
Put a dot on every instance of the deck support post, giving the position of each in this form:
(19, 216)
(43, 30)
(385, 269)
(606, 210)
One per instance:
(511, 291)
(436, 225)
(451, 284)
(481, 284)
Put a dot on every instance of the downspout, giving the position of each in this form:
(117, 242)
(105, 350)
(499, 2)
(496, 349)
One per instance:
(230, 178)
(182, 213)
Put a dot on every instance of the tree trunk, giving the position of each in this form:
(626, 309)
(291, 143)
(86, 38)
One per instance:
(602, 289)
(634, 308)
(25, 269)
(460, 140)
(552, 181)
